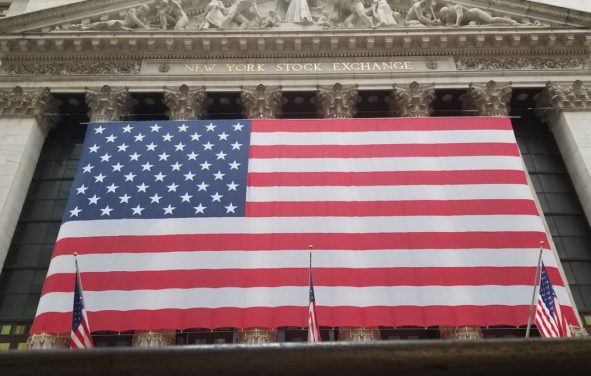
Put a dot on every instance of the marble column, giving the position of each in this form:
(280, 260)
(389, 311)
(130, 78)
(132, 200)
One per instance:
(26, 117)
(567, 110)
(111, 104)
(260, 102)
(480, 100)
(336, 102)
(185, 103)
(339, 102)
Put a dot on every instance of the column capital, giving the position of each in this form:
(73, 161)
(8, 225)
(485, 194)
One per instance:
(460, 332)
(414, 101)
(46, 341)
(488, 100)
(555, 98)
(261, 102)
(359, 334)
(337, 102)
(185, 103)
(37, 103)
(108, 104)
(157, 338)
(257, 336)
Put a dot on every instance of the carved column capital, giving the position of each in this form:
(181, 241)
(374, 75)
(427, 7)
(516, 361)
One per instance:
(359, 334)
(46, 341)
(37, 103)
(154, 338)
(185, 103)
(461, 332)
(337, 102)
(556, 98)
(255, 336)
(261, 102)
(412, 102)
(488, 100)
(108, 104)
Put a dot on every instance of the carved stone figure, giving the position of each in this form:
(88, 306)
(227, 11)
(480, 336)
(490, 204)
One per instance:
(349, 12)
(298, 12)
(271, 19)
(458, 15)
(135, 18)
(382, 13)
(323, 21)
(244, 13)
(281, 8)
(171, 12)
(421, 14)
(215, 14)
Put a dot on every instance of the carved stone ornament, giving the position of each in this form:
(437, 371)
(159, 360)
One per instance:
(462, 332)
(64, 68)
(519, 63)
(359, 334)
(261, 103)
(30, 103)
(412, 102)
(255, 336)
(294, 15)
(577, 331)
(156, 338)
(489, 100)
(185, 103)
(46, 341)
(107, 104)
(338, 102)
(556, 98)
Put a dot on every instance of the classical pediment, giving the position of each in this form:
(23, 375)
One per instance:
(290, 15)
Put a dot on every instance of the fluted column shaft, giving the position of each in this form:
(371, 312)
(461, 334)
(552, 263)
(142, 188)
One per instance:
(260, 102)
(480, 100)
(26, 117)
(567, 110)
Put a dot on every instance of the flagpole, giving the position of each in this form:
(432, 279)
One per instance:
(533, 298)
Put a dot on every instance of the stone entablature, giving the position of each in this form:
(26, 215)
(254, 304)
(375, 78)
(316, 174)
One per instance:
(342, 43)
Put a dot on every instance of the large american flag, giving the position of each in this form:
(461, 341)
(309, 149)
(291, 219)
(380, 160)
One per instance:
(205, 224)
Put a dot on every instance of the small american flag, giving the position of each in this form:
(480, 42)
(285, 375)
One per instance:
(80, 337)
(549, 318)
(313, 330)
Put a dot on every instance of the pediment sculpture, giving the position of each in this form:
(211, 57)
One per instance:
(296, 15)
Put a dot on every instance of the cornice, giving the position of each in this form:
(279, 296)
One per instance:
(469, 41)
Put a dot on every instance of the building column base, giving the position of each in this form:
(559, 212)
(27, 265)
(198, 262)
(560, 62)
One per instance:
(255, 336)
(46, 341)
(460, 332)
(156, 338)
(359, 334)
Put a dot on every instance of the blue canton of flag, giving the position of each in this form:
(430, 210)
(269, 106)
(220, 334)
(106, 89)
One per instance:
(162, 170)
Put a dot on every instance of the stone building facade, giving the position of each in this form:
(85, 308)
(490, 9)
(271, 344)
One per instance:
(81, 61)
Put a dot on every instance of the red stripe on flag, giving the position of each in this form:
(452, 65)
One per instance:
(377, 151)
(265, 242)
(245, 278)
(378, 178)
(389, 208)
(230, 317)
(368, 125)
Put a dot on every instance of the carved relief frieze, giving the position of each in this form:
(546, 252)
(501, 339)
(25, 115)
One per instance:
(519, 63)
(72, 68)
(295, 15)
